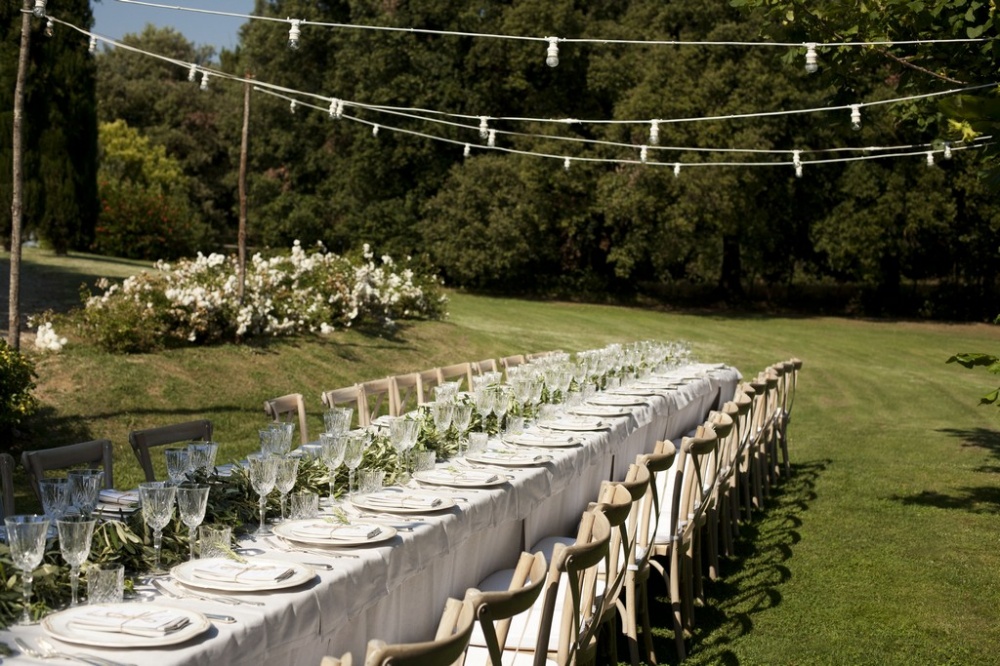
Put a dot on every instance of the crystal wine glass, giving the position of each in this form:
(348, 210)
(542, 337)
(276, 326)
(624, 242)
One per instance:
(461, 416)
(332, 456)
(202, 456)
(56, 495)
(263, 473)
(26, 537)
(86, 489)
(281, 445)
(157, 499)
(354, 452)
(178, 464)
(267, 436)
(284, 480)
(75, 536)
(338, 419)
(192, 500)
(403, 435)
(485, 398)
(442, 413)
(501, 403)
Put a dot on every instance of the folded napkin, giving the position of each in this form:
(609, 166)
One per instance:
(596, 410)
(616, 400)
(109, 496)
(533, 438)
(464, 476)
(121, 620)
(325, 530)
(399, 501)
(225, 571)
(508, 457)
(575, 424)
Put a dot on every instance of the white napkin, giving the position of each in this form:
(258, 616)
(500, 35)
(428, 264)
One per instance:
(234, 572)
(123, 620)
(509, 457)
(399, 501)
(534, 438)
(464, 476)
(325, 530)
(110, 496)
(616, 400)
(575, 423)
(597, 410)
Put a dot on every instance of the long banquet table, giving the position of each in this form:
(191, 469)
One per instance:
(395, 592)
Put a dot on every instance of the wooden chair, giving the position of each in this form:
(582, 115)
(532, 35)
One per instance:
(293, 403)
(489, 365)
(7, 480)
(188, 431)
(378, 399)
(509, 362)
(407, 393)
(447, 647)
(494, 610)
(93, 454)
(349, 396)
(457, 373)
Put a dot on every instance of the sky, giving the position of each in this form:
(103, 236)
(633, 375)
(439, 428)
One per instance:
(114, 19)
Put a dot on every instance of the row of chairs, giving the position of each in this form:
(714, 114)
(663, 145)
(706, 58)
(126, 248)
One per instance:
(677, 507)
(394, 395)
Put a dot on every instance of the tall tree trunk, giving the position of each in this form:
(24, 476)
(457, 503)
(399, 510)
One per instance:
(241, 242)
(17, 189)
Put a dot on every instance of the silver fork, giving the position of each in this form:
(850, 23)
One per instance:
(48, 651)
(177, 593)
(281, 544)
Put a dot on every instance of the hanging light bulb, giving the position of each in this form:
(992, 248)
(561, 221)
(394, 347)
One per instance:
(677, 169)
(552, 53)
(374, 130)
(566, 163)
(293, 34)
(491, 140)
(930, 158)
(204, 81)
(193, 72)
(856, 117)
(947, 150)
(467, 151)
(292, 105)
(797, 162)
(798, 170)
(39, 9)
(93, 44)
(484, 127)
(333, 107)
(812, 60)
(654, 132)
(50, 28)
(643, 153)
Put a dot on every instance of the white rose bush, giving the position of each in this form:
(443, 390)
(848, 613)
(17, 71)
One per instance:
(316, 291)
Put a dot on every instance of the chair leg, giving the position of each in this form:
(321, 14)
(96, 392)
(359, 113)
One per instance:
(629, 618)
(713, 542)
(647, 631)
(676, 602)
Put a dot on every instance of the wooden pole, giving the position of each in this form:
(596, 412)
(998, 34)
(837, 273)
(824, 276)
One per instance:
(17, 190)
(241, 241)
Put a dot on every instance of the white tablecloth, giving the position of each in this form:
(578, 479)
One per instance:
(395, 592)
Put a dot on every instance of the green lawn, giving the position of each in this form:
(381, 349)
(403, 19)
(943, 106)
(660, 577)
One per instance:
(881, 549)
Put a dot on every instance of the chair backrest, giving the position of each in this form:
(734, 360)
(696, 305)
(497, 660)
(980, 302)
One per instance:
(513, 361)
(578, 564)
(349, 396)
(620, 502)
(448, 646)
(143, 440)
(7, 479)
(456, 373)
(698, 450)
(378, 399)
(489, 365)
(408, 393)
(495, 609)
(659, 463)
(94, 454)
(292, 404)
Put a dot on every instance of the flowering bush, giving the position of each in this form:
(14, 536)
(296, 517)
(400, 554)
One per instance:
(17, 380)
(197, 300)
(46, 338)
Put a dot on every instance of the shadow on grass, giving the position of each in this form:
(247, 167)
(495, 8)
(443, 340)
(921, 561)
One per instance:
(980, 438)
(750, 580)
(973, 499)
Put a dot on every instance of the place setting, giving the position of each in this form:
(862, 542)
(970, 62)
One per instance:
(333, 532)
(229, 575)
(502, 457)
(455, 477)
(543, 439)
(126, 625)
(401, 501)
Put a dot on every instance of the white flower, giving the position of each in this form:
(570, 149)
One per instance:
(47, 340)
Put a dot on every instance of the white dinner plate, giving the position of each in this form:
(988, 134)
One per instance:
(59, 626)
(187, 574)
(472, 478)
(618, 400)
(576, 424)
(600, 411)
(389, 501)
(508, 458)
(545, 440)
(349, 535)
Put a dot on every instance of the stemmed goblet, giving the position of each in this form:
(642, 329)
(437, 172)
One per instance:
(157, 499)
(281, 442)
(75, 536)
(485, 397)
(263, 474)
(26, 536)
(501, 402)
(356, 441)
(56, 495)
(338, 419)
(192, 500)
(403, 435)
(178, 464)
(332, 456)
(86, 489)
(461, 416)
(442, 413)
(284, 480)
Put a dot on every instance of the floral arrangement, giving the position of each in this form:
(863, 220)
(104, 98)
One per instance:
(315, 291)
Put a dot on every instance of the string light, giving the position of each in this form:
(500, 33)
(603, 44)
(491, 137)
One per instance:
(677, 169)
(204, 80)
(797, 162)
(812, 60)
(292, 105)
(49, 28)
(930, 158)
(467, 151)
(192, 72)
(491, 140)
(484, 127)
(643, 154)
(93, 45)
(39, 9)
(552, 53)
(374, 130)
(654, 132)
(336, 108)
(566, 163)
(856, 117)
(293, 34)
(947, 151)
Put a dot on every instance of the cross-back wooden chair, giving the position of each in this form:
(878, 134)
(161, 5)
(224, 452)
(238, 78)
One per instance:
(7, 480)
(512, 361)
(95, 454)
(349, 396)
(378, 399)
(408, 393)
(459, 372)
(487, 365)
(286, 407)
(143, 440)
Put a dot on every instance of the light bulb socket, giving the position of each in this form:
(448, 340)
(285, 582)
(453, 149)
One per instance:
(654, 132)
(947, 151)
(812, 59)
(552, 53)
(204, 81)
(566, 164)
(39, 8)
(294, 31)
(930, 158)
(93, 44)
(856, 117)
(484, 127)
(193, 73)
(677, 169)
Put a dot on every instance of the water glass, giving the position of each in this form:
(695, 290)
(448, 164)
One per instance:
(303, 504)
(263, 474)
(281, 442)
(75, 536)
(478, 441)
(424, 460)
(370, 480)
(86, 489)
(285, 478)
(57, 494)
(202, 456)
(26, 536)
(515, 426)
(178, 464)
(192, 500)
(105, 584)
(214, 541)
(157, 499)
